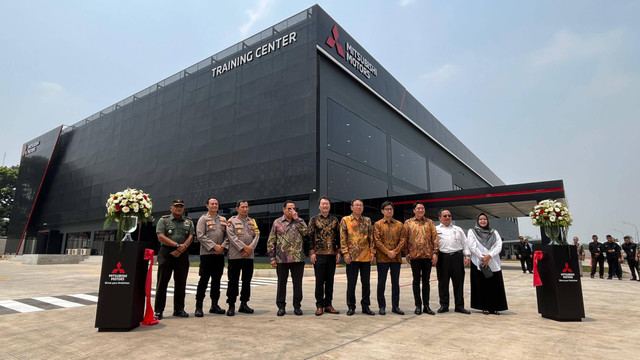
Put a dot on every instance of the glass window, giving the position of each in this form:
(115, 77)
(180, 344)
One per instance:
(345, 183)
(408, 165)
(439, 179)
(355, 138)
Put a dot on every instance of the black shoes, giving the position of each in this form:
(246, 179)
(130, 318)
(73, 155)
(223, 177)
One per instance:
(382, 311)
(281, 312)
(367, 311)
(181, 313)
(232, 310)
(443, 309)
(215, 309)
(158, 315)
(396, 310)
(297, 311)
(198, 313)
(592, 276)
(462, 311)
(427, 310)
(244, 308)
(418, 310)
(351, 311)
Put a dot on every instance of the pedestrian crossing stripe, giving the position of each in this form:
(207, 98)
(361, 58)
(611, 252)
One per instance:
(43, 303)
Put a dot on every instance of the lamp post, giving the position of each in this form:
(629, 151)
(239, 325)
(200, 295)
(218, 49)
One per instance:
(621, 233)
(628, 223)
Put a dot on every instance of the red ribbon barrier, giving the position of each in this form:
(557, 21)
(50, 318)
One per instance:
(537, 255)
(148, 315)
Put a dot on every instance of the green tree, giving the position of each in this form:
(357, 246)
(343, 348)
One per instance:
(8, 180)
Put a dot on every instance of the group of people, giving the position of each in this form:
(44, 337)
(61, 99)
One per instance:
(353, 239)
(614, 254)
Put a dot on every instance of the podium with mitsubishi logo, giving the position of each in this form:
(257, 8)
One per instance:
(560, 295)
(121, 296)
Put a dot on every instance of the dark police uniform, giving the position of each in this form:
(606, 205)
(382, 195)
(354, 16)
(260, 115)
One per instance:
(524, 252)
(630, 249)
(612, 259)
(594, 248)
(179, 231)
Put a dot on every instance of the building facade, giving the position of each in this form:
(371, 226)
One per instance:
(298, 111)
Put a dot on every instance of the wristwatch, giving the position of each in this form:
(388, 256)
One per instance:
(177, 245)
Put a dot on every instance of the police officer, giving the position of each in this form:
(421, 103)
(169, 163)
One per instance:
(614, 257)
(212, 235)
(175, 233)
(243, 235)
(631, 249)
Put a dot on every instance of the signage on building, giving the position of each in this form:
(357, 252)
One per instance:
(351, 54)
(30, 148)
(263, 50)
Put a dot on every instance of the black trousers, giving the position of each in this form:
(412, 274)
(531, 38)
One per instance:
(451, 267)
(528, 261)
(421, 270)
(297, 271)
(168, 265)
(614, 267)
(211, 267)
(364, 268)
(595, 262)
(383, 269)
(325, 271)
(633, 267)
(237, 266)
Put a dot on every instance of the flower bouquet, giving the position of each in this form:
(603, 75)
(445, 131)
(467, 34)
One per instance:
(554, 217)
(126, 208)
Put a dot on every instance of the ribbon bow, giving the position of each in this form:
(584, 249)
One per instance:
(537, 255)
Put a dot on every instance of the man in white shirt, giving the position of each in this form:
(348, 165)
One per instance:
(453, 256)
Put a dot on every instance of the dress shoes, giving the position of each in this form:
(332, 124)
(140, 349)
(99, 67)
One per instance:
(331, 310)
(215, 309)
(367, 311)
(443, 309)
(462, 311)
(181, 313)
(418, 310)
(231, 311)
(382, 311)
(351, 311)
(319, 311)
(198, 313)
(281, 311)
(158, 315)
(244, 308)
(427, 310)
(396, 310)
(297, 311)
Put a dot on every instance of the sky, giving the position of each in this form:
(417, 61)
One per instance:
(539, 90)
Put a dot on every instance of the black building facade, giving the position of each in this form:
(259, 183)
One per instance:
(298, 111)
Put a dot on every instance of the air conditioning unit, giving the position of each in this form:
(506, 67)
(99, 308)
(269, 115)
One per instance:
(75, 251)
(85, 251)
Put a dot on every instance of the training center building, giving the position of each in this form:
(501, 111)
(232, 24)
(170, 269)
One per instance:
(297, 111)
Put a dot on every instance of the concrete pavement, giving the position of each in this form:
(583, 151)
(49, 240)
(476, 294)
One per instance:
(608, 331)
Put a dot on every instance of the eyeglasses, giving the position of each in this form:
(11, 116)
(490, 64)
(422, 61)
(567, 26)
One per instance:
(388, 209)
(445, 216)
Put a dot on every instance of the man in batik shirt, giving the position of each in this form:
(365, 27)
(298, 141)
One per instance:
(286, 250)
(324, 234)
(387, 233)
(358, 250)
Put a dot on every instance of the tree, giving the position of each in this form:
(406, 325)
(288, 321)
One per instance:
(8, 181)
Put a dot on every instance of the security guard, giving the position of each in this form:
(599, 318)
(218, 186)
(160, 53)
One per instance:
(175, 233)
(614, 257)
(631, 250)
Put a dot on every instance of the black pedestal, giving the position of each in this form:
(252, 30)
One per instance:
(121, 296)
(560, 296)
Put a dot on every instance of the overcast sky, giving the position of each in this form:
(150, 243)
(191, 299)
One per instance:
(538, 90)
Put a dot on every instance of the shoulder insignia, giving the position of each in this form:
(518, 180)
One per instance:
(165, 216)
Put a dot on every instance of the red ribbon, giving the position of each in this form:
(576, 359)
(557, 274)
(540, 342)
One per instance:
(148, 315)
(537, 255)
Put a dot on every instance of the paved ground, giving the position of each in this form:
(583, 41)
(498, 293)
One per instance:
(66, 331)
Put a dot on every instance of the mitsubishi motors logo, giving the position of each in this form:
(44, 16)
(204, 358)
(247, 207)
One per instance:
(566, 268)
(332, 40)
(118, 269)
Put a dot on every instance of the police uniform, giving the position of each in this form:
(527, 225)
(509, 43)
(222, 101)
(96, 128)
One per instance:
(631, 250)
(178, 230)
(211, 231)
(240, 232)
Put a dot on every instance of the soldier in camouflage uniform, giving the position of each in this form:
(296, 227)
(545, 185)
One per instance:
(175, 233)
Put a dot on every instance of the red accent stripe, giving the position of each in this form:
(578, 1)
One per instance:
(38, 193)
(480, 196)
(402, 102)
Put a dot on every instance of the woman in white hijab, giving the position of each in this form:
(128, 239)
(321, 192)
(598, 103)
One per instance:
(487, 285)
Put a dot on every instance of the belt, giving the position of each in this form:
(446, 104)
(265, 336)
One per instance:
(450, 254)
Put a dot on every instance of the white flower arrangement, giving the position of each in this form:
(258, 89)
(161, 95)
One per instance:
(125, 205)
(550, 213)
